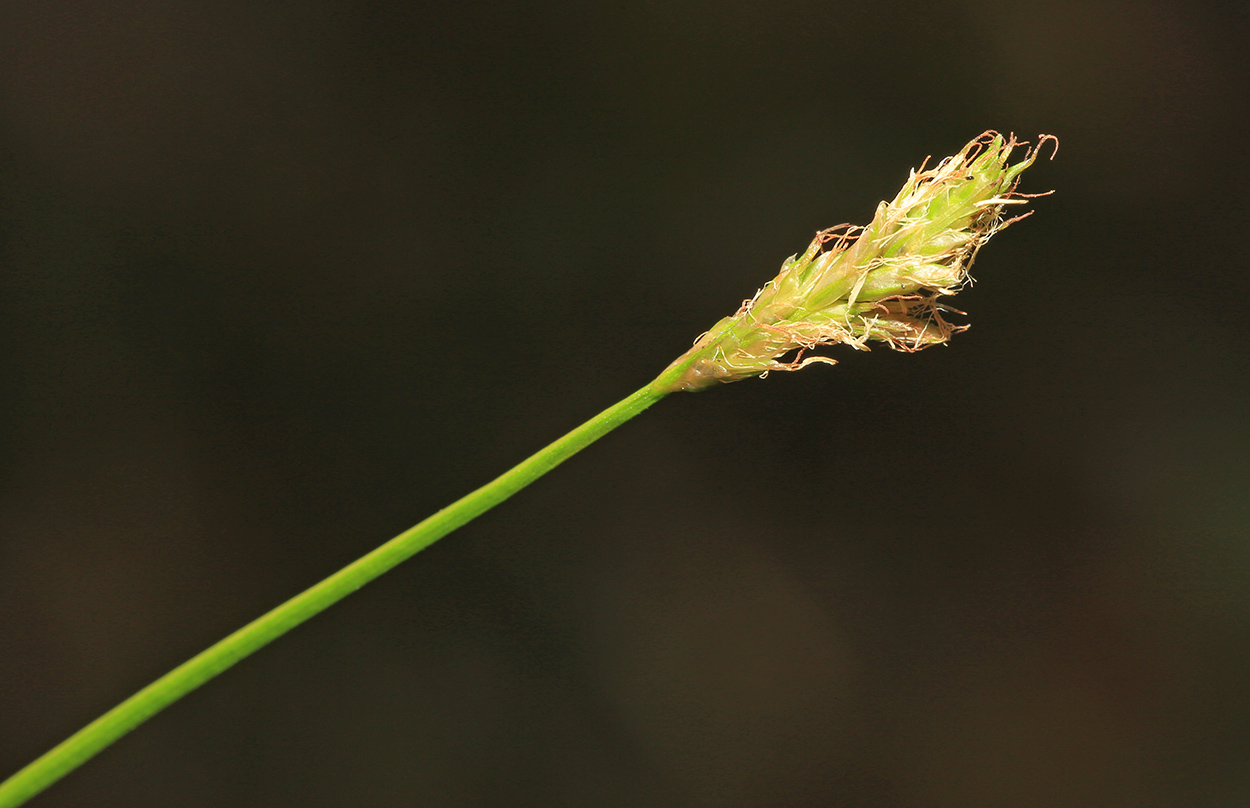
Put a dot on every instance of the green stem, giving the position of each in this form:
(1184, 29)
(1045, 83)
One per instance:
(91, 739)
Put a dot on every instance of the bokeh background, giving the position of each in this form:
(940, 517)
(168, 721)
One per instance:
(280, 279)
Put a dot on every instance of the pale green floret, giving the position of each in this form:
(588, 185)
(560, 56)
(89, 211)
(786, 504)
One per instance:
(879, 282)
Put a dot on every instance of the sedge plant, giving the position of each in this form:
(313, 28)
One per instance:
(883, 282)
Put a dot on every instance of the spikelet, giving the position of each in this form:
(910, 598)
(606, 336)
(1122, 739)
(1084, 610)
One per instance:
(882, 282)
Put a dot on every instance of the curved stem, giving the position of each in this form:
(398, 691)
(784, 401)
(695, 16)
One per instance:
(91, 739)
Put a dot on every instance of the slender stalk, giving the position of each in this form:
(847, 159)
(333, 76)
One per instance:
(91, 739)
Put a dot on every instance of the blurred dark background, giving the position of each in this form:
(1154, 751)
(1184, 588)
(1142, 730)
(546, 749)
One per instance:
(279, 280)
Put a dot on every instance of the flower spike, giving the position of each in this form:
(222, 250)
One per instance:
(881, 282)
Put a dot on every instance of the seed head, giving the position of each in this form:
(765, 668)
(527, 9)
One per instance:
(881, 282)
